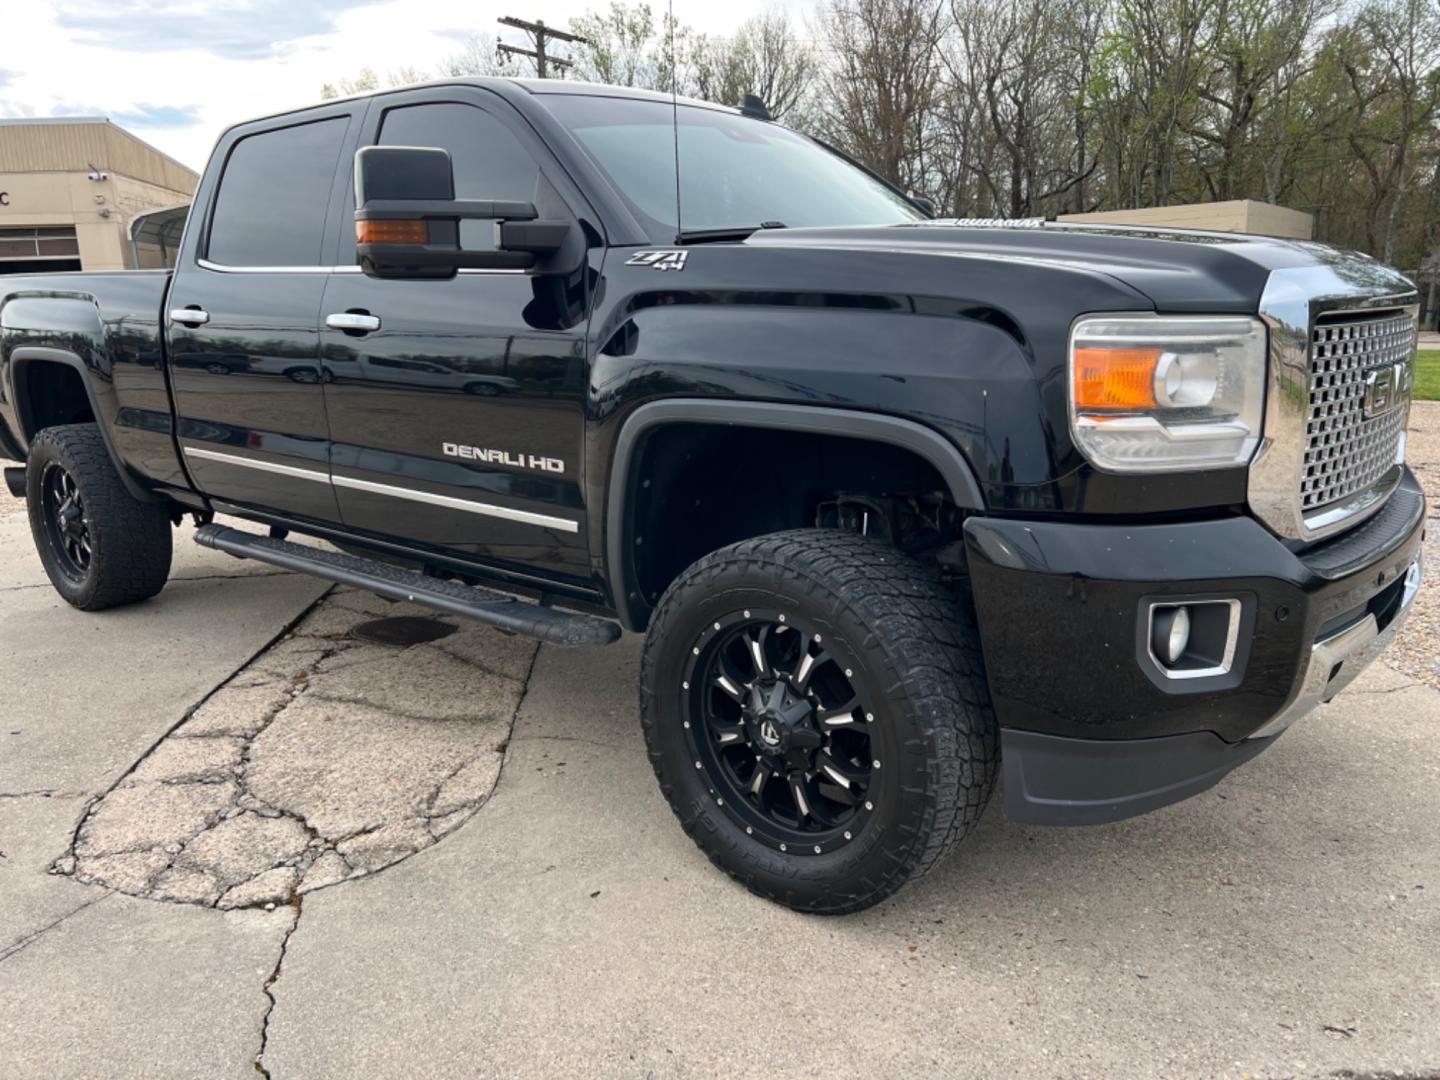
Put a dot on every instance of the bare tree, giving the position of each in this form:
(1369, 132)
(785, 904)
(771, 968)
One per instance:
(883, 84)
(1406, 36)
(367, 80)
(1013, 68)
(479, 56)
(1255, 47)
(766, 58)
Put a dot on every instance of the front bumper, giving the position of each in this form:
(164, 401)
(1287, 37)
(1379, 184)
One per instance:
(1089, 731)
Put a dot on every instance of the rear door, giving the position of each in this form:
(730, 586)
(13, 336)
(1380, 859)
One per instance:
(458, 416)
(244, 312)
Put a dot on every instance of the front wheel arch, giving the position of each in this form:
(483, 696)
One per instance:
(632, 594)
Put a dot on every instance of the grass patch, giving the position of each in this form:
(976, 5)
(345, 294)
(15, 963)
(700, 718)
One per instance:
(1427, 375)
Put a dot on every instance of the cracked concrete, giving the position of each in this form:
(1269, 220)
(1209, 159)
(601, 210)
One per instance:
(128, 988)
(93, 983)
(322, 759)
(269, 992)
(572, 928)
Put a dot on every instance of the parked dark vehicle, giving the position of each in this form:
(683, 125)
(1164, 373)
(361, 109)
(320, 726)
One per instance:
(897, 502)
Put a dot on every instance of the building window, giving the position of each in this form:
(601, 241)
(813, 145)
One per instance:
(41, 243)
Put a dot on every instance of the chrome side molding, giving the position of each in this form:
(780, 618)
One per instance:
(524, 517)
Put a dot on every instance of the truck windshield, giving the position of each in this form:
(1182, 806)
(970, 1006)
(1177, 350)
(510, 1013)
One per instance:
(735, 172)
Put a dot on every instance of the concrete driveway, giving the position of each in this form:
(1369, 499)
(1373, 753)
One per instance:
(234, 835)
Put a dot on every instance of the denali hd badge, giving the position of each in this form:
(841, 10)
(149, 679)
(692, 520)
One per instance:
(503, 457)
(658, 260)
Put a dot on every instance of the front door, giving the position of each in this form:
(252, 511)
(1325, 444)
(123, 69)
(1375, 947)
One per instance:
(457, 406)
(243, 331)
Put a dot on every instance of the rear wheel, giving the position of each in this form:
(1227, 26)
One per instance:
(100, 546)
(816, 711)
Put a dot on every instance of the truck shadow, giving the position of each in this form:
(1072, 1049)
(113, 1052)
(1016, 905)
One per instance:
(1304, 827)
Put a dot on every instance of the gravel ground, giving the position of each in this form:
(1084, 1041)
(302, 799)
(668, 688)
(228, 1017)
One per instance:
(1416, 651)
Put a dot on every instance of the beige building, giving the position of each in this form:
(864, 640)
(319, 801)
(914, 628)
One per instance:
(1237, 215)
(70, 187)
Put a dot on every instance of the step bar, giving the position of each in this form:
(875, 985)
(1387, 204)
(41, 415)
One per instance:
(506, 612)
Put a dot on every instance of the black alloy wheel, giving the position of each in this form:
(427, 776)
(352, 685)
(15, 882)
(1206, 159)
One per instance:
(100, 545)
(815, 708)
(782, 734)
(64, 514)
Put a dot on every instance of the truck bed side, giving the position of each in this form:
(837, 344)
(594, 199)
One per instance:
(82, 346)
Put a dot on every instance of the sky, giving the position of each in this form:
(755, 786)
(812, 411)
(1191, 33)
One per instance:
(178, 72)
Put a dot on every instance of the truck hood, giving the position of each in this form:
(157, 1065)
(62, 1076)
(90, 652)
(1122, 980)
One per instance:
(1178, 269)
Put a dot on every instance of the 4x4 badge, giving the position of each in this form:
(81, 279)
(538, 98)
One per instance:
(658, 260)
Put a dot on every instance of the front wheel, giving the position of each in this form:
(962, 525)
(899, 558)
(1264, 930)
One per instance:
(815, 708)
(101, 547)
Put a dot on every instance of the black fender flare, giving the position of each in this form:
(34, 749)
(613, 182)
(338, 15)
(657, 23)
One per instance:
(24, 356)
(811, 419)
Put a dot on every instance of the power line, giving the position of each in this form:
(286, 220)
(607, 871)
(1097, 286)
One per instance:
(540, 34)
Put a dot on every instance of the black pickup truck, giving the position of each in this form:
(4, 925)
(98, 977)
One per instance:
(899, 502)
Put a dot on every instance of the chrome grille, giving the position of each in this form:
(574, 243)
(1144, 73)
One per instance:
(1345, 452)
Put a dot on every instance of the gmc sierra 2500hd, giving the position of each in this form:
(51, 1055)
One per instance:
(899, 502)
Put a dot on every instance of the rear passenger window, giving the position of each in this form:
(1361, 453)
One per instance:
(273, 196)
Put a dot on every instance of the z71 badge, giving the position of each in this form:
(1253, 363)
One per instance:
(658, 260)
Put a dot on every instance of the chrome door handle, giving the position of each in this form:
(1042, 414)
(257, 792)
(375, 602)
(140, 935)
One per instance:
(349, 320)
(189, 316)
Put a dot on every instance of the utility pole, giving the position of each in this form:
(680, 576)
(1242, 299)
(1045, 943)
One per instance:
(539, 35)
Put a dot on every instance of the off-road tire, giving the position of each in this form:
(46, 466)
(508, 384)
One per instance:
(129, 540)
(917, 650)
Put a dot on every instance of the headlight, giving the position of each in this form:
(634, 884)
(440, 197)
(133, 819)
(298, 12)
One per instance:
(1167, 393)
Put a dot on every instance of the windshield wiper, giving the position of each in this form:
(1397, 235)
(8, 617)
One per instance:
(722, 236)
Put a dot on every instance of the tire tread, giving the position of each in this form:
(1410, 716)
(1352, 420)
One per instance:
(933, 646)
(131, 540)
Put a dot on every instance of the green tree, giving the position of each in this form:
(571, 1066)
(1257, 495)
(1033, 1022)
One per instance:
(619, 46)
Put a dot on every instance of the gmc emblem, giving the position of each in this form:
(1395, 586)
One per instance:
(1385, 388)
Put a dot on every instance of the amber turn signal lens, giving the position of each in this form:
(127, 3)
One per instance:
(1115, 378)
(392, 232)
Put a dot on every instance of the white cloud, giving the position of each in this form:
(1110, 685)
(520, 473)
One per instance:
(178, 72)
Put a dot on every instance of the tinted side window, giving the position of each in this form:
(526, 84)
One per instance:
(488, 160)
(273, 196)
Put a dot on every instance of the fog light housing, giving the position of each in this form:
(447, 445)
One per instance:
(1170, 633)
(1195, 639)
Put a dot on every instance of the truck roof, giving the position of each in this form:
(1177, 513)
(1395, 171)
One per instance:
(543, 87)
(503, 84)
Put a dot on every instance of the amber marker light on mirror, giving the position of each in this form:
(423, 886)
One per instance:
(415, 233)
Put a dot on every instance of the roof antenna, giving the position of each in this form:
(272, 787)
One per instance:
(675, 119)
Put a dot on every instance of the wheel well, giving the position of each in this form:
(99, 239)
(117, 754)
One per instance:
(695, 488)
(49, 395)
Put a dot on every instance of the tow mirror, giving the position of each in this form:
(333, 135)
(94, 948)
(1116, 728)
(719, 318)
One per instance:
(407, 220)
